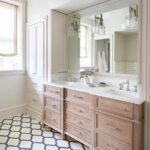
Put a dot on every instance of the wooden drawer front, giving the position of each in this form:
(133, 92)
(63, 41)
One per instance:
(80, 97)
(53, 91)
(79, 110)
(52, 118)
(115, 107)
(79, 121)
(83, 134)
(52, 103)
(106, 142)
(115, 127)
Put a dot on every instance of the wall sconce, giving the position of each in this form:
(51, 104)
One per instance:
(98, 26)
(132, 17)
(74, 27)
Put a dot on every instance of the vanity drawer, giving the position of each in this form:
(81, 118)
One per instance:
(78, 121)
(115, 127)
(52, 103)
(78, 110)
(52, 118)
(81, 98)
(114, 107)
(78, 132)
(106, 142)
(52, 91)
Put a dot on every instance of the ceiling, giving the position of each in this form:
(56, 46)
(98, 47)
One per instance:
(69, 6)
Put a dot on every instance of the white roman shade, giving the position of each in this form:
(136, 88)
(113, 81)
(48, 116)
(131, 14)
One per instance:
(8, 29)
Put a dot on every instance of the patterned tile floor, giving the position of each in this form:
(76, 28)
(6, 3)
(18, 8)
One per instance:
(26, 133)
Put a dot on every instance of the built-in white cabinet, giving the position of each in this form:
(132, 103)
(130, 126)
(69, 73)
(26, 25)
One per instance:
(36, 47)
(57, 47)
(46, 44)
(46, 55)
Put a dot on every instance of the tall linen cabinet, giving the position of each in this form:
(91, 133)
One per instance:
(46, 56)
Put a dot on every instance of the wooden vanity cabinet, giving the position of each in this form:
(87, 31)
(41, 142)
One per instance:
(53, 107)
(79, 116)
(118, 125)
(99, 123)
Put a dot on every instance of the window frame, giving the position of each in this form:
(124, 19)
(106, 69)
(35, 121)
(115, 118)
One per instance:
(22, 36)
(86, 37)
(6, 4)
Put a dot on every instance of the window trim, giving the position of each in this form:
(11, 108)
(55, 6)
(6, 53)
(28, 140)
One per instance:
(6, 4)
(86, 48)
(22, 32)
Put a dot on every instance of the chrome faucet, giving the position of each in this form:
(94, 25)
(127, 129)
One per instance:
(127, 85)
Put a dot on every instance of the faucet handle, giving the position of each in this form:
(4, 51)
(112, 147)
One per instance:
(120, 86)
(135, 88)
(128, 81)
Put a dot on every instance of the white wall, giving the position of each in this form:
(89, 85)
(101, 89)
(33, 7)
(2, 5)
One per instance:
(11, 90)
(12, 94)
(39, 8)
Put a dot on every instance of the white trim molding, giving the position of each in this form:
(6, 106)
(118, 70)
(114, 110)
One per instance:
(12, 111)
(145, 67)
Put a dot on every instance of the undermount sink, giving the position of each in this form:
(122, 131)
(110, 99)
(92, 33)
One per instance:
(65, 82)
(121, 93)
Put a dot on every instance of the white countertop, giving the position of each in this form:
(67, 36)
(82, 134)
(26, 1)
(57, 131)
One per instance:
(111, 92)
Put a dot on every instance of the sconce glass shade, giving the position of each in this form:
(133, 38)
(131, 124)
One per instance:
(99, 29)
(98, 26)
(131, 22)
(132, 18)
(74, 28)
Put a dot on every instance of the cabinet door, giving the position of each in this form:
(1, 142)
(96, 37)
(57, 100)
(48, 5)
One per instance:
(36, 46)
(39, 48)
(31, 49)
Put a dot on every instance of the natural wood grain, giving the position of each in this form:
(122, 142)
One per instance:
(115, 107)
(78, 110)
(79, 132)
(52, 103)
(115, 127)
(52, 118)
(81, 98)
(106, 142)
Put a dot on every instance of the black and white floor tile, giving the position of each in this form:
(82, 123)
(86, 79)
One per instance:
(26, 133)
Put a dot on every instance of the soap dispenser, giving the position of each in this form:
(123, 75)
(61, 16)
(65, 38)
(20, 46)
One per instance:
(86, 79)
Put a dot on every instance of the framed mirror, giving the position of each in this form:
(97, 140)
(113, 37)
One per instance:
(105, 39)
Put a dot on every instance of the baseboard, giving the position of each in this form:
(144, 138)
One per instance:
(34, 112)
(12, 111)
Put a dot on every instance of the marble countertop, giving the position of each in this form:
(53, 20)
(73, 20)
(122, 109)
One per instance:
(110, 91)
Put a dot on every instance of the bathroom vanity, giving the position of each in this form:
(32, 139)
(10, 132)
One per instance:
(97, 117)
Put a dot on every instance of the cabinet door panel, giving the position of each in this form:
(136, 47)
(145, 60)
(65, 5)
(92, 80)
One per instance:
(32, 50)
(40, 48)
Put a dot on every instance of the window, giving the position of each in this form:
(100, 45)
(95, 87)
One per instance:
(10, 51)
(83, 41)
(85, 45)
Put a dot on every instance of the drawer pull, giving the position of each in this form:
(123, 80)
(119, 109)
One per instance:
(53, 105)
(55, 92)
(79, 97)
(80, 122)
(113, 128)
(126, 110)
(80, 111)
(34, 100)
